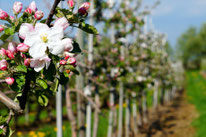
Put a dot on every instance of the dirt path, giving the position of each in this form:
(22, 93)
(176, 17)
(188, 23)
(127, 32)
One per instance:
(173, 120)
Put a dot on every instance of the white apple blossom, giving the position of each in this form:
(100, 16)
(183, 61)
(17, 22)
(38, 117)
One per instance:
(39, 64)
(43, 38)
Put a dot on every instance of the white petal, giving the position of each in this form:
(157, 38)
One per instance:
(38, 50)
(56, 48)
(25, 29)
(56, 33)
(32, 39)
(41, 28)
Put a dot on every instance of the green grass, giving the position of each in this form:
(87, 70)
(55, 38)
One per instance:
(196, 91)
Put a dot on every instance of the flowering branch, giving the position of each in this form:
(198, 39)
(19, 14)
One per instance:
(10, 103)
(52, 11)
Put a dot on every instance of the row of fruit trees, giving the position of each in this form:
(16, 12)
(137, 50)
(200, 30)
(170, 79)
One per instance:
(123, 63)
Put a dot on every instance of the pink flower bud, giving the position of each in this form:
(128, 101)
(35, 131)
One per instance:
(82, 11)
(63, 62)
(70, 3)
(71, 61)
(68, 44)
(3, 64)
(3, 52)
(67, 57)
(10, 54)
(61, 22)
(22, 55)
(23, 47)
(27, 62)
(1, 28)
(33, 7)
(9, 80)
(17, 7)
(11, 18)
(85, 5)
(12, 47)
(3, 15)
(24, 29)
(28, 10)
(38, 15)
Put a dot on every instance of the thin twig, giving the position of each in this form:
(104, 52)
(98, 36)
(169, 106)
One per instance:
(10, 103)
(52, 11)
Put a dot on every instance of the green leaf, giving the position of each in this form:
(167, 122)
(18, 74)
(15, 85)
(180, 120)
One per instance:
(42, 83)
(1, 131)
(21, 68)
(10, 30)
(4, 37)
(88, 28)
(72, 68)
(3, 120)
(63, 79)
(43, 100)
(9, 132)
(76, 48)
(50, 72)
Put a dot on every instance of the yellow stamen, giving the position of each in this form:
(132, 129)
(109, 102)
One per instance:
(44, 38)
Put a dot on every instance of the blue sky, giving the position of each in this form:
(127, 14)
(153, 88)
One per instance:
(172, 17)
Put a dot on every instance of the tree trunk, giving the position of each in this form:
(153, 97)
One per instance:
(121, 96)
(139, 99)
(111, 113)
(96, 113)
(144, 107)
(70, 114)
(134, 113)
(155, 95)
(127, 119)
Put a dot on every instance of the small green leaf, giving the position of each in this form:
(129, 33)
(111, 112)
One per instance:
(43, 100)
(3, 120)
(1, 131)
(21, 68)
(10, 30)
(72, 68)
(63, 79)
(9, 132)
(76, 48)
(50, 72)
(4, 37)
(88, 28)
(42, 83)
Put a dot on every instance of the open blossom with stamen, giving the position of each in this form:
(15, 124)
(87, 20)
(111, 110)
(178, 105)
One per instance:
(43, 38)
(39, 64)
(9, 80)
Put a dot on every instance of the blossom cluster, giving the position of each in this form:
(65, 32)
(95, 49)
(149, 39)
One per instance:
(38, 41)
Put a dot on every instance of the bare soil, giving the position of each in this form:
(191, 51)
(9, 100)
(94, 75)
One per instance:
(172, 120)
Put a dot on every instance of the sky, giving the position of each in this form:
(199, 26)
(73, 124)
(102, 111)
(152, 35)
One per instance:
(171, 17)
